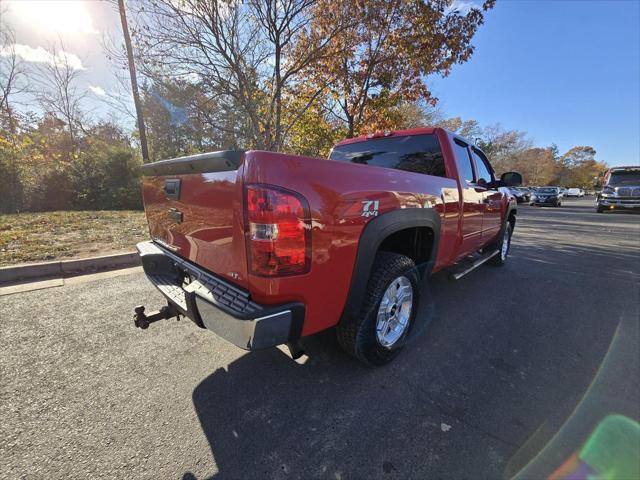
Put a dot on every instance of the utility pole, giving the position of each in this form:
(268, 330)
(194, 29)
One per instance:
(134, 83)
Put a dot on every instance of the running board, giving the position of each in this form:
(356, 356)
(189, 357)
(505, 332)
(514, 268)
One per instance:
(466, 268)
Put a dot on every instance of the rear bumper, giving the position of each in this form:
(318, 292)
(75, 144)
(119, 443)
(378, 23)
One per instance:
(217, 305)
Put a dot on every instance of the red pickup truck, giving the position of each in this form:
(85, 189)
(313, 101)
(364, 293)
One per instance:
(265, 248)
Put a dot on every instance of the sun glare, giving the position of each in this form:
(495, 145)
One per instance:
(63, 17)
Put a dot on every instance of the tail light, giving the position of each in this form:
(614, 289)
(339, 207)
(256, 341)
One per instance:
(278, 228)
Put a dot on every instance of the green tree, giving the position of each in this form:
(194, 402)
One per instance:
(313, 134)
(106, 172)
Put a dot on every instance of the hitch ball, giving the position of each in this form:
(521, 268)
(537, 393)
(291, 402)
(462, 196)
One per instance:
(139, 318)
(142, 320)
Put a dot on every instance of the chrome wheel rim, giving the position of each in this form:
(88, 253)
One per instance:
(506, 241)
(394, 312)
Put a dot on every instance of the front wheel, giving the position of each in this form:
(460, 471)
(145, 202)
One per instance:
(378, 333)
(503, 246)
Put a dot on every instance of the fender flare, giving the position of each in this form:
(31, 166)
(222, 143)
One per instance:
(372, 236)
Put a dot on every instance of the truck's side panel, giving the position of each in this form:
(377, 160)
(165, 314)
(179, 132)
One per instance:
(343, 197)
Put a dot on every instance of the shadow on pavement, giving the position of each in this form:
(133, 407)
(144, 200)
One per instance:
(268, 416)
(514, 357)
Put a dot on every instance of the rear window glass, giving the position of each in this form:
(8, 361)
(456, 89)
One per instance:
(413, 153)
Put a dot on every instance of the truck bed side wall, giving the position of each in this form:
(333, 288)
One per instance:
(343, 197)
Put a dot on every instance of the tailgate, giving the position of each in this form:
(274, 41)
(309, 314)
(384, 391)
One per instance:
(194, 207)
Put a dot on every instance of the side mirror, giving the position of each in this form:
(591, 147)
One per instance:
(511, 179)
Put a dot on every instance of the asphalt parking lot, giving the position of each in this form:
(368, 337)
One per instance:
(507, 354)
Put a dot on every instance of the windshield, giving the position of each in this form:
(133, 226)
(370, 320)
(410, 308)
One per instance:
(624, 177)
(413, 153)
(548, 190)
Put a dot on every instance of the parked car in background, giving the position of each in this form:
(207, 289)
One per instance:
(526, 193)
(621, 189)
(547, 196)
(574, 192)
(521, 196)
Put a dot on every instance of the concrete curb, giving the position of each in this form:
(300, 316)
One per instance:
(67, 268)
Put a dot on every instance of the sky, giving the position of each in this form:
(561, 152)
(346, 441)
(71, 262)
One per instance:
(84, 27)
(565, 71)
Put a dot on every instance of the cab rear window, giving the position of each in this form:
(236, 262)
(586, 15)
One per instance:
(412, 153)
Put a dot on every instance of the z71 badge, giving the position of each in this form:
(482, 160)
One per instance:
(370, 208)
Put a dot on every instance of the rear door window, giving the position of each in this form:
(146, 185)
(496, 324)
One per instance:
(412, 153)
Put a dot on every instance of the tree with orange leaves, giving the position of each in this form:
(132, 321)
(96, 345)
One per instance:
(384, 59)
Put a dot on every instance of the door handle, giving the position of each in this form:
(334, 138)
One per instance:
(172, 188)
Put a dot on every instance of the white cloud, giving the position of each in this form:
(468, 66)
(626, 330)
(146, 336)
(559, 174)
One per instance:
(40, 55)
(463, 7)
(59, 16)
(99, 91)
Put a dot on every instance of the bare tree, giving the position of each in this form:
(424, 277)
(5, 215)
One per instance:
(243, 53)
(502, 146)
(58, 91)
(11, 74)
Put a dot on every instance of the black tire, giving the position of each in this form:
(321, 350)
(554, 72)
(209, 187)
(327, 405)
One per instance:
(500, 259)
(599, 209)
(357, 336)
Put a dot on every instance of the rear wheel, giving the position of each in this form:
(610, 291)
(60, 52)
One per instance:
(378, 333)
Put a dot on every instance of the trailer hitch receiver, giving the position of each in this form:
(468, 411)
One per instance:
(143, 320)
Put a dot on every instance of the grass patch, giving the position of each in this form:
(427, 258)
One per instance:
(36, 237)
